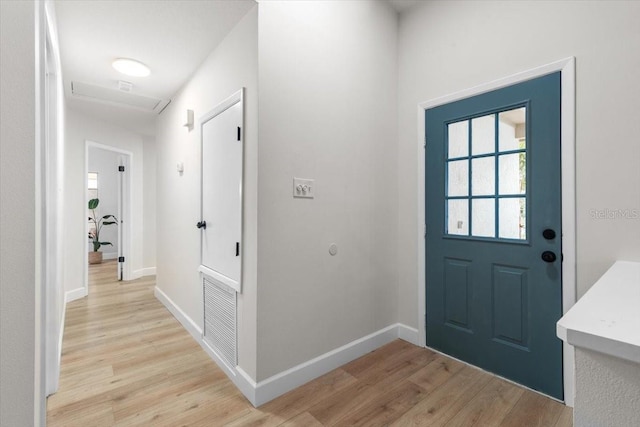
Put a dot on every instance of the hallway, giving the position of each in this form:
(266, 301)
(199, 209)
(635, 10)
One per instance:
(126, 361)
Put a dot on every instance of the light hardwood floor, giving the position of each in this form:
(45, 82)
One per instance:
(126, 361)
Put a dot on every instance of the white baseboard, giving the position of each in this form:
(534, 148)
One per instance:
(408, 334)
(53, 371)
(75, 294)
(279, 384)
(149, 271)
(239, 377)
(181, 316)
(283, 382)
(109, 255)
(59, 352)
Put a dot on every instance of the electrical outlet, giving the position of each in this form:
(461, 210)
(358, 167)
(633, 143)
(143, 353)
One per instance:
(303, 188)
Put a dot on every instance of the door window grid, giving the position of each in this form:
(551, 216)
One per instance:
(498, 176)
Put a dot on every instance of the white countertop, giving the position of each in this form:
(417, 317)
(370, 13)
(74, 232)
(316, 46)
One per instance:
(607, 318)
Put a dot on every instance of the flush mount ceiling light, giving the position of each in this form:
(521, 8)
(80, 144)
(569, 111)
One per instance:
(131, 67)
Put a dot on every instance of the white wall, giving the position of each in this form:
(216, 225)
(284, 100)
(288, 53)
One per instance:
(231, 66)
(445, 47)
(18, 249)
(79, 129)
(327, 112)
(607, 390)
(105, 163)
(149, 204)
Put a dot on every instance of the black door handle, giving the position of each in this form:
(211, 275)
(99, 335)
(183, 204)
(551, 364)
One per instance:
(548, 256)
(549, 234)
(202, 224)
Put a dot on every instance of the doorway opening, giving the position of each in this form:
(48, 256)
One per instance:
(108, 204)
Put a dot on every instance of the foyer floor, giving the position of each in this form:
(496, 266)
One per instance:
(127, 362)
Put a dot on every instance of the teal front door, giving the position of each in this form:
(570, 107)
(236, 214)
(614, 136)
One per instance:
(493, 244)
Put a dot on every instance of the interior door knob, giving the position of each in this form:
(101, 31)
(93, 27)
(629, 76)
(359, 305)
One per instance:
(548, 256)
(202, 224)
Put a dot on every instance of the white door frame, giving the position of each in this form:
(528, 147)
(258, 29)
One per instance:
(51, 198)
(567, 72)
(127, 202)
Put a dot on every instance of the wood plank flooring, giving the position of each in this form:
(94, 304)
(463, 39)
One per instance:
(127, 362)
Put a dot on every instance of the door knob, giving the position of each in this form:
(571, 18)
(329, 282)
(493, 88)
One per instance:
(548, 256)
(202, 224)
(549, 234)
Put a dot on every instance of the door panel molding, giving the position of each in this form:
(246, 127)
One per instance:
(567, 110)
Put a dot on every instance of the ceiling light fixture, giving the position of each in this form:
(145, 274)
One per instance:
(131, 67)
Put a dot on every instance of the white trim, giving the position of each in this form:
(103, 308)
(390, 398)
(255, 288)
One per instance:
(239, 377)
(235, 286)
(222, 107)
(149, 271)
(259, 393)
(408, 334)
(246, 385)
(181, 316)
(283, 382)
(60, 338)
(109, 255)
(50, 104)
(567, 69)
(74, 295)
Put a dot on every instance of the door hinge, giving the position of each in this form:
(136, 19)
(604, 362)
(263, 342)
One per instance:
(239, 133)
(237, 248)
(120, 259)
(120, 168)
(424, 230)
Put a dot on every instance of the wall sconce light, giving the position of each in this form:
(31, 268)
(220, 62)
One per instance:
(189, 122)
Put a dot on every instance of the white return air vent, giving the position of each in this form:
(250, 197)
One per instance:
(117, 97)
(220, 320)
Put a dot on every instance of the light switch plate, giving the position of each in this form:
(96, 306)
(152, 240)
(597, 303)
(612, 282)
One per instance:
(303, 188)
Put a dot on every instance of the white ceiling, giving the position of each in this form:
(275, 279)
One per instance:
(172, 37)
(402, 5)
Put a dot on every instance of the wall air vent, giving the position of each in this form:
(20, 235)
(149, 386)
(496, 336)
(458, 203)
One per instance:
(117, 97)
(125, 86)
(220, 320)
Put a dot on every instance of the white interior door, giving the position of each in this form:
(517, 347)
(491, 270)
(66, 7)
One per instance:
(222, 168)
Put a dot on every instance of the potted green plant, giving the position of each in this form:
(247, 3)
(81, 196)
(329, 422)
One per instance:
(95, 257)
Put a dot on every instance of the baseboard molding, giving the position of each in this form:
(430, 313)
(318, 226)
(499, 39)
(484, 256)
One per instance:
(181, 316)
(283, 382)
(264, 391)
(53, 373)
(59, 352)
(408, 334)
(109, 255)
(75, 294)
(149, 271)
